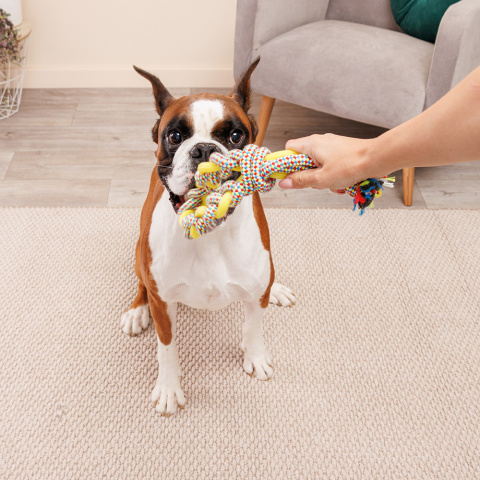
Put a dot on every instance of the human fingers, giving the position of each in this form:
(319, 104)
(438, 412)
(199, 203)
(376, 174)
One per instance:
(304, 179)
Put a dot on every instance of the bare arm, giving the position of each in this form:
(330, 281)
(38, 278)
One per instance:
(447, 132)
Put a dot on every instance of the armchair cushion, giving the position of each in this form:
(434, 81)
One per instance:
(420, 18)
(357, 71)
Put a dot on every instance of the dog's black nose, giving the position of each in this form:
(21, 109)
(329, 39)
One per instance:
(201, 151)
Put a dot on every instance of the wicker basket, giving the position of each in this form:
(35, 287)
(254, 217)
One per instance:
(11, 77)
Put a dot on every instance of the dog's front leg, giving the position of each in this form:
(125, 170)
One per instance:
(257, 360)
(167, 394)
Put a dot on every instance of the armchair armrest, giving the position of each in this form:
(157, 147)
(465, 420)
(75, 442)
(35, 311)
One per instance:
(457, 49)
(258, 21)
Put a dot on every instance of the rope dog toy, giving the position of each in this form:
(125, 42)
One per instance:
(207, 205)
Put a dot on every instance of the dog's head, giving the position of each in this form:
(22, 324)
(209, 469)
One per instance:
(191, 128)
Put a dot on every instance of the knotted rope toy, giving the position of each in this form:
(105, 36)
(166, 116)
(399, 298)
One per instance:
(207, 205)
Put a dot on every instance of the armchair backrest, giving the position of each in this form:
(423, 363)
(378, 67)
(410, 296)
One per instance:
(274, 17)
(259, 21)
(376, 13)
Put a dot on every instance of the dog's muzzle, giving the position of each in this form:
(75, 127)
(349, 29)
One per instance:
(199, 153)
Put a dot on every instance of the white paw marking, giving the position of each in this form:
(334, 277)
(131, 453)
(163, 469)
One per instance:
(258, 365)
(135, 320)
(167, 398)
(281, 295)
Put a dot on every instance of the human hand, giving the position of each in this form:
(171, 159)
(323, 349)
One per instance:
(342, 162)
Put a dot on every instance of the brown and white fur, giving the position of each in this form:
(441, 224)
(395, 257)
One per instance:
(229, 264)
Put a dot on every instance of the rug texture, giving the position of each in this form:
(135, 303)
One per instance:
(377, 367)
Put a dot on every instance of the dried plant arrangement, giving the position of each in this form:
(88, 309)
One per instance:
(9, 44)
(12, 66)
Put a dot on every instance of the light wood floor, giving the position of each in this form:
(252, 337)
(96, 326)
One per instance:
(92, 147)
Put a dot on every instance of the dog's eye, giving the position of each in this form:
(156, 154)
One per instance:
(236, 136)
(175, 137)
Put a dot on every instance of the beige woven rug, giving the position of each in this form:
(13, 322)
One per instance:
(377, 368)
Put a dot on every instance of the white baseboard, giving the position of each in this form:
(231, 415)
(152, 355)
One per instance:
(92, 77)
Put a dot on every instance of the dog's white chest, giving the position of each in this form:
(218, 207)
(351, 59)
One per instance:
(227, 265)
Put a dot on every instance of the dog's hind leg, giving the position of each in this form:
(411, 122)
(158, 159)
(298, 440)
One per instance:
(257, 360)
(137, 318)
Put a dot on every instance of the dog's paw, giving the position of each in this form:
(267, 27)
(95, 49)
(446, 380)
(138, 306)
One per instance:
(135, 320)
(168, 398)
(259, 366)
(281, 295)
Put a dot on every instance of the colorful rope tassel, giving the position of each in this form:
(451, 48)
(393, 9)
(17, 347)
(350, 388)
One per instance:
(365, 192)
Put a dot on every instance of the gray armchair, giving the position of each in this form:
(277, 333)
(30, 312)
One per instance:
(350, 59)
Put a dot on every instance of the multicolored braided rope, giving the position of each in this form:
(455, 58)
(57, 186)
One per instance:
(207, 205)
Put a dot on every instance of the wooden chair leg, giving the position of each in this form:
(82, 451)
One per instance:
(266, 108)
(408, 180)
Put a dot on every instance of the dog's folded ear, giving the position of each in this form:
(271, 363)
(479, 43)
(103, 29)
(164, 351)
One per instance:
(163, 98)
(241, 90)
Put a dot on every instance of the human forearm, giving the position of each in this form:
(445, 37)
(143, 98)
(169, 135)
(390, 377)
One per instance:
(447, 132)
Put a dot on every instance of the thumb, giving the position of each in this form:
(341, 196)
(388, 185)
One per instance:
(304, 179)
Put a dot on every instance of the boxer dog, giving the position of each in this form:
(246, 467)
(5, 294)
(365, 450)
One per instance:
(229, 264)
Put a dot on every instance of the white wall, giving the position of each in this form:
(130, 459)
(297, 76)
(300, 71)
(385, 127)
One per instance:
(93, 43)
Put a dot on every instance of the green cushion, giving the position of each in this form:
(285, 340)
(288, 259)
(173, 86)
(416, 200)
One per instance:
(420, 18)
